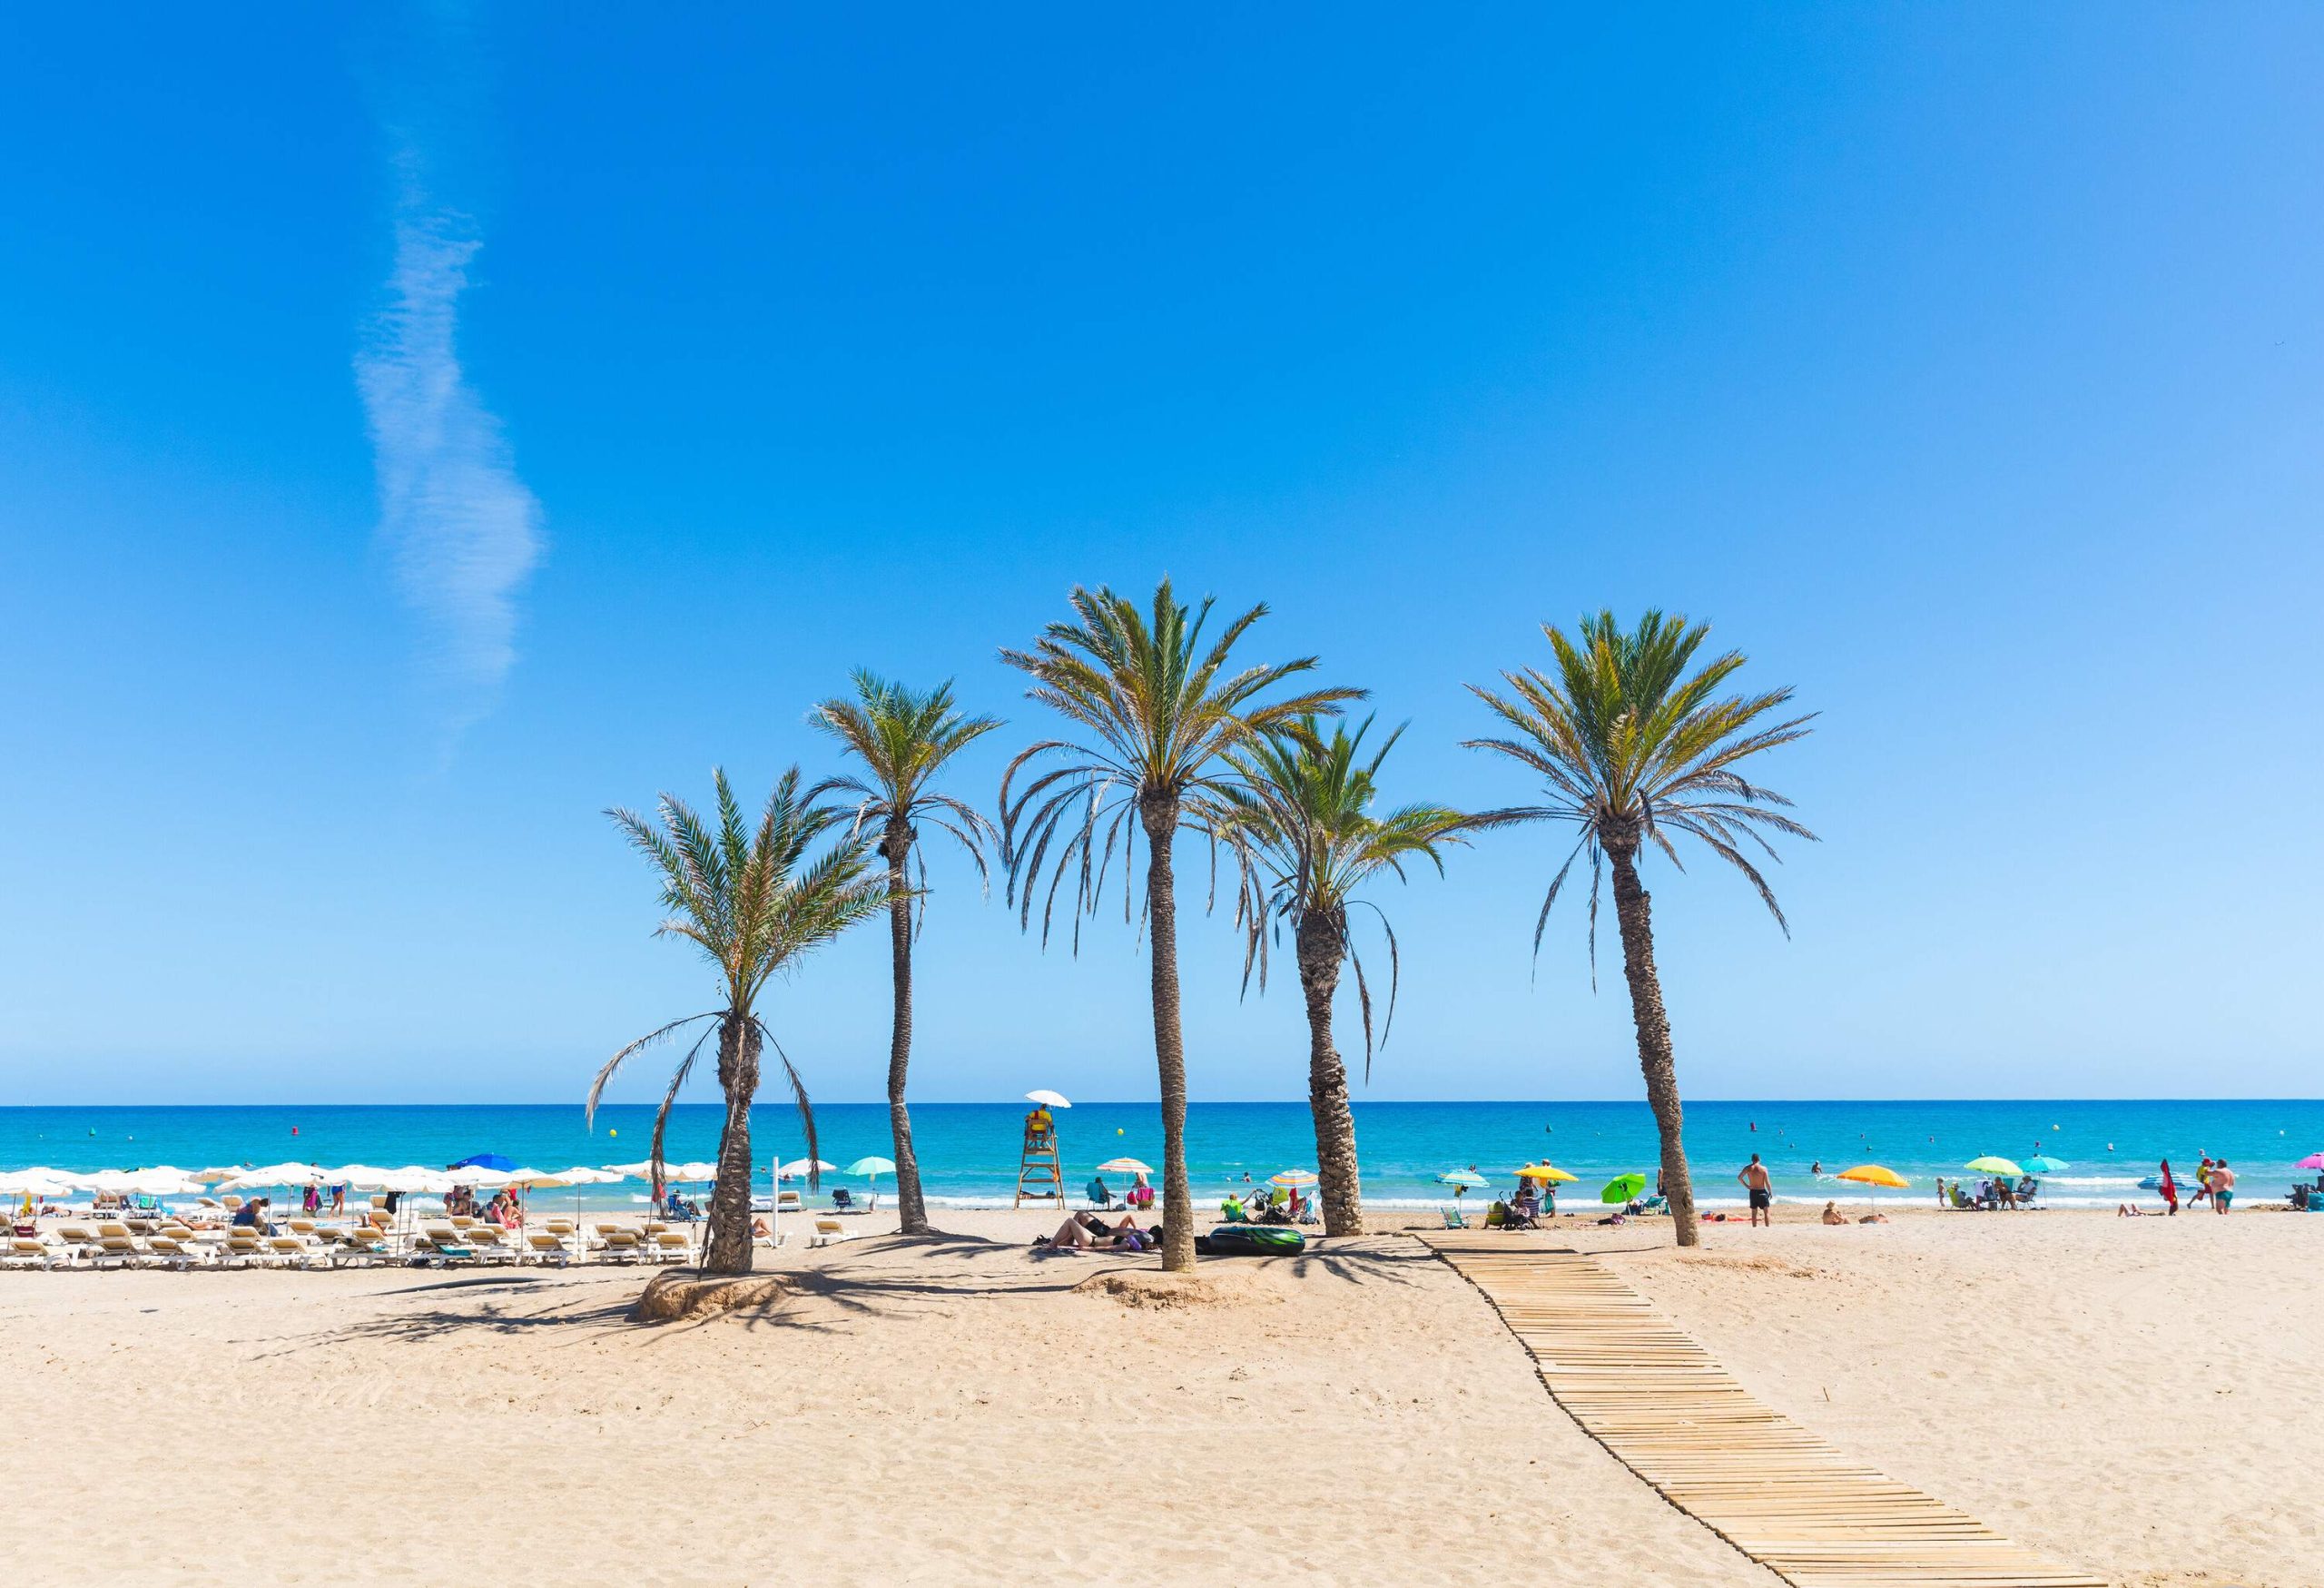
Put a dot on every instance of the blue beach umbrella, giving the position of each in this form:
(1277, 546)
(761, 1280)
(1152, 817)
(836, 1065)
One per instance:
(1461, 1179)
(2042, 1164)
(487, 1160)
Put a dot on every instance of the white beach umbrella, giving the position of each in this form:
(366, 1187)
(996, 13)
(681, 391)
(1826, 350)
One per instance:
(211, 1176)
(580, 1175)
(277, 1174)
(34, 1183)
(1050, 1099)
(694, 1171)
(642, 1170)
(482, 1179)
(534, 1179)
(164, 1181)
(800, 1166)
(360, 1176)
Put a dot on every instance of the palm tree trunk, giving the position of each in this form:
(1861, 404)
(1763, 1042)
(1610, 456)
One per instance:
(1322, 940)
(1160, 819)
(1632, 910)
(727, 1247)
(911, 1210)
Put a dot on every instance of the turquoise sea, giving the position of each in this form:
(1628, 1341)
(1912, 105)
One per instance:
(967, 1150)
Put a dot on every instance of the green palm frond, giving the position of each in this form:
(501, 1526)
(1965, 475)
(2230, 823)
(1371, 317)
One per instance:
(1158, 714)
(746, 894)
(904, 738)
(1632, 747)
(1299, 817)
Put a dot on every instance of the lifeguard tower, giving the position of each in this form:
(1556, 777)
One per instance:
(1040, 1175)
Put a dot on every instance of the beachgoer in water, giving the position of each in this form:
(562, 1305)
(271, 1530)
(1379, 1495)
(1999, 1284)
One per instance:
(1754, 1176)
(1816, 1168)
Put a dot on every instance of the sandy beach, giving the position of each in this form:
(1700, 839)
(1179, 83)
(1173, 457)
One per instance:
(2137, 1397)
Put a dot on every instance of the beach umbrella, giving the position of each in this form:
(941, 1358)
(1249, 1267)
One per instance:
(1047, 1098)
(164, 1181)
(800, 1166)
(871, 1168)
(1291, 1179)
(2041, 1163)
(211, 1176)
(1990, 1165)
(1123, 1166)
(1873, 1174)
(485, 1161)
(1461, 1180)
(1622, 1187)
(2313, 1161)
(579, 1175)
(34, 1183)
(1544, 1170)
(276, 1174)
(697, 1170)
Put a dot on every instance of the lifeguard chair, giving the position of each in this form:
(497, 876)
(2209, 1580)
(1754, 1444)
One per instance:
(1040, 1174)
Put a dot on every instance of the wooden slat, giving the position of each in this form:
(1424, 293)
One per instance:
(1668, 1412)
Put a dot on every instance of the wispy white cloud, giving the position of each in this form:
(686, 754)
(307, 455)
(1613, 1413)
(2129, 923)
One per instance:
(464, 531)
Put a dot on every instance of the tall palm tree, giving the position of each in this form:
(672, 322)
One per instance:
(753, 905)
(1633, 748)
(1155, 713)
(1302, 822)
(904, 737)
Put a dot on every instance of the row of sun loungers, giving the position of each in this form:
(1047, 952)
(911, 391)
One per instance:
(306, 1244)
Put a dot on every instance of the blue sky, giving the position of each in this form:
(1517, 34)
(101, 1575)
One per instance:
(418, 434)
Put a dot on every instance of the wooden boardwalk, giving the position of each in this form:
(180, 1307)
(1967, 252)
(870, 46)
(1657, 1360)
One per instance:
(1670, 1414)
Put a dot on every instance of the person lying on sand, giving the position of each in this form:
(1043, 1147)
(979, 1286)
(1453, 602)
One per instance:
(1874, 1219)
(1082, 1230)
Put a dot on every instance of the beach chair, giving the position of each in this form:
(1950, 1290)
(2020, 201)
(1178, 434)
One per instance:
(541, 1247)
(842, 1200)
(360, 1246)
(670, 1245)
(827, 1230)
(490, 1245)
(114, 1246)
(788, 1202)
(617, 1245)
(291, 1251)
(1453, 1220)
(173, 1253)
(30, 1251)
(442, 1243)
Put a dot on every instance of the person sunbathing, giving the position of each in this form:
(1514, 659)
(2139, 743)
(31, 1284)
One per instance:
(1832, 1214)
(1081, 1230)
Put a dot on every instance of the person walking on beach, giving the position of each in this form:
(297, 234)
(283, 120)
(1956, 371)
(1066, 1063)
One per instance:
(1754, 1177)
(2222, 1186)
(2202, 1181)
(2170, 1189)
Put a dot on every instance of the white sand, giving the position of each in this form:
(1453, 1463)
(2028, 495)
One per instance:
(954, 1412)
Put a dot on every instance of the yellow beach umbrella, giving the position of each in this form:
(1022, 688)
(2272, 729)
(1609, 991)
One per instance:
(1873, 1174)
(1544, 1170)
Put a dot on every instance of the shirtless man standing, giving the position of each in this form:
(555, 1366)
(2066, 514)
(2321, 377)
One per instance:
(2222, 1187)
(1754, 1177)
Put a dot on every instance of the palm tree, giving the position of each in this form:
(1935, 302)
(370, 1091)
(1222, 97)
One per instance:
(1302, 825)
(1155, 713)
(744, 899)
(903, 737)
(1630, 749)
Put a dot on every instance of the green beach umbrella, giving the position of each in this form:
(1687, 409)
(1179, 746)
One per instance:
(1990, 1165)
(1622, 1187)
(1461, 1180)
(871, 1168)
(2041, 1163)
